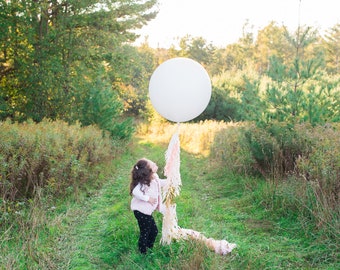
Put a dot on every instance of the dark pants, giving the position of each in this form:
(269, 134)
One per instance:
(148, 231)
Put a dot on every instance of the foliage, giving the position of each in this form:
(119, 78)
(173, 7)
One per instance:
(235, 97)
(332, 42)
(132, 67)
(197, 49)
(292, 88)
(101, 107)
(275, 148)
(301, 94)
(251, 106)
(221, 107)
(270, 42)
(53, 54)
(60, 58)
(50, 155)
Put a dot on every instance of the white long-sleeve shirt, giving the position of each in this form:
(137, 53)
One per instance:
(142, 193)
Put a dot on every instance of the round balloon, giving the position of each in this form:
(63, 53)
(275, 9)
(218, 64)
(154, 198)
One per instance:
(180, 89)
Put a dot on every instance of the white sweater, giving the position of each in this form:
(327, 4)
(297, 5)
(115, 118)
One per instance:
(142, 193)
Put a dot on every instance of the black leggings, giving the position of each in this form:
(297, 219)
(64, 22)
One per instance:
(148, 231)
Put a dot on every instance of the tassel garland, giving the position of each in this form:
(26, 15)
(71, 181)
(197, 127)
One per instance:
(170, 228)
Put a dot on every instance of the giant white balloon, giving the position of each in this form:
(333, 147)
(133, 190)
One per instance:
(180, 89)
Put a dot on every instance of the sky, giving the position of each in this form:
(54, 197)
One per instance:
(220, 22)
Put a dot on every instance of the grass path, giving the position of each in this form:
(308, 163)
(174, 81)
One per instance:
(102, 233)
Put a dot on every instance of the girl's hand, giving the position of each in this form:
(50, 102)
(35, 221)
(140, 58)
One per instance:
(152, 200)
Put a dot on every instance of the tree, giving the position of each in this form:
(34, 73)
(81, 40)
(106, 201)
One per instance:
(270, 42)
(195, 48)
(51, 48)
(299, 91)
(132, 68)
(241, 54)
(332, 45)
(221, 107)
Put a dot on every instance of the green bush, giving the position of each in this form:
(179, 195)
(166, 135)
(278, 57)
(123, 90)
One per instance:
(103, 108)
(301, 164)
(53, 155)
(275, 148)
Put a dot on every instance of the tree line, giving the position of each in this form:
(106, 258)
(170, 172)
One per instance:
(74, 61)
(277, 75)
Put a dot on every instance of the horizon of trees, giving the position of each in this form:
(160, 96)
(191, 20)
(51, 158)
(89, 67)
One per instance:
(278, 75)
(74, 61)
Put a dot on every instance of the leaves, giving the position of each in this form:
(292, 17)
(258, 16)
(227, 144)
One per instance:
(51, 48)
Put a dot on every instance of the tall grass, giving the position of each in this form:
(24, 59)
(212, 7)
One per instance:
(301, 164)
(52, 155)
(213, 200)
(318, 173)
(278, 223)
(196, 138)
(41, 165)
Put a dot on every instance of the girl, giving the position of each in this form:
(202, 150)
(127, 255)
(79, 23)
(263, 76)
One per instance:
(145, 189)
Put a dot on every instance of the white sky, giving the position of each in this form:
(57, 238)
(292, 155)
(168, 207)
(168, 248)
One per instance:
(220, 21)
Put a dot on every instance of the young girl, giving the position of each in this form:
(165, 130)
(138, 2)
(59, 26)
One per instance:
(145, 189)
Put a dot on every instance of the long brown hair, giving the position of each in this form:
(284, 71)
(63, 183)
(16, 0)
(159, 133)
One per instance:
(141, 173)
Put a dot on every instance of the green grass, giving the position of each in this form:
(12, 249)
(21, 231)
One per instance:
(100, 231)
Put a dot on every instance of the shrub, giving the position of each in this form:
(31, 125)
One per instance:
(320, 167)
(303, 152)
(52, 155)
(301, 164)
(102, 107)
(275, 147)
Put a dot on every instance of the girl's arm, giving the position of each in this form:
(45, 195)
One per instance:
(162, 182)
(136, 192)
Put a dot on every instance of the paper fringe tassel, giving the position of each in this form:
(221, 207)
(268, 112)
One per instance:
(171, 190)
(222, 247)
(170, 228)
(171, 231)
(171, 170)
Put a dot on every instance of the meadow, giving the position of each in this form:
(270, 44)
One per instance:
(221, 196)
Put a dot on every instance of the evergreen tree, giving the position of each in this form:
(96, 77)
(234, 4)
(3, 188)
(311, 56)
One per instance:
(300, 91)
